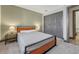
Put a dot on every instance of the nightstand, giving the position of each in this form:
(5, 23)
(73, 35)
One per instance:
(10, 36)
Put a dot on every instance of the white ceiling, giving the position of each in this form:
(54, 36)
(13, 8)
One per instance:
(44, 9)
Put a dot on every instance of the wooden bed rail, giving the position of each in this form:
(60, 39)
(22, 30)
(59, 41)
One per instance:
(46, 47)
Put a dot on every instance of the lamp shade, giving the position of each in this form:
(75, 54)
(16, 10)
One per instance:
(37, 27)
(12, 28)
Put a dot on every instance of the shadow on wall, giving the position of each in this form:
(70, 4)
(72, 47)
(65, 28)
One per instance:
(4, 29)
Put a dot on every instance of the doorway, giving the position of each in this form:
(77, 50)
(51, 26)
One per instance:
(75, 40)
(76, 18)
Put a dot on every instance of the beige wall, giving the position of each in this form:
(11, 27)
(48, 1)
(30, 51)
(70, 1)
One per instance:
(71, 9)
(77, 21)
(0, 22)
(12, 15)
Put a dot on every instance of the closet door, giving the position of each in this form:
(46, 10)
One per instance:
(50, 24)
(53, 24)
(59, 24)
(47, 25)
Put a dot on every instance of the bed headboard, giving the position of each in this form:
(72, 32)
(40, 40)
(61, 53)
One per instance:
(25, 28)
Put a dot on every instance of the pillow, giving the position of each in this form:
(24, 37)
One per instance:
(27, 31)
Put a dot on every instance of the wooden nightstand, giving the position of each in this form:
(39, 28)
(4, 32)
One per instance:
(10, 37)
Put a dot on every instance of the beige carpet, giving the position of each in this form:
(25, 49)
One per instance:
(64, 48)
(9, 48)
(61, 48)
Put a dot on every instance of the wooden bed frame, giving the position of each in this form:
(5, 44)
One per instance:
(41, 50)
(25, 28)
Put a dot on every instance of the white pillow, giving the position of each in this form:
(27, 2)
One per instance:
(27, 31)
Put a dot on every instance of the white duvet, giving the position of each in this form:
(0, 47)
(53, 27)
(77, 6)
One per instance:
(25, 39)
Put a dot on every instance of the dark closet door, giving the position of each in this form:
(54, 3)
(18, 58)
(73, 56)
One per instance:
(47, 25)
(50, 24)
(59, 24)
(53, 24)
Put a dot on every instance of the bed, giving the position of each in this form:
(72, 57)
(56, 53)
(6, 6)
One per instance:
(33, 42)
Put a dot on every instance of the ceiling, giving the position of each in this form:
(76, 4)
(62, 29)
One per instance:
(44, 9)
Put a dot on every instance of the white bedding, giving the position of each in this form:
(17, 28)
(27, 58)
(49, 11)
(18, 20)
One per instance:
(25, 39)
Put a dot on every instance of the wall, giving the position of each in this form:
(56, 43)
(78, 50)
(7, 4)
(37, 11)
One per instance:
(12, 15)
(65, 24)
(0, 22)
(77, 21)
(71, 9)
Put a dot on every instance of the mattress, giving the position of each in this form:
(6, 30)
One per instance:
(26, 39)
